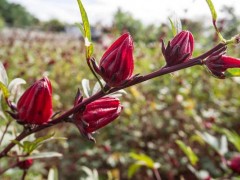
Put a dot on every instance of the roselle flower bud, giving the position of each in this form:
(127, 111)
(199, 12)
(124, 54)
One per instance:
(179, 49)
(35, 105)
(26, 164)
(234, 164)
(218, 63)
(97, 114)
(116, 65)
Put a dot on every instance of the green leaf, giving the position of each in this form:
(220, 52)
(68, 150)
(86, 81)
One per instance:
(188, 152)
(232, 136)
(18, 143)
(133, 169)
(174, 30)
(214, 19)
(210, 140)
(43, 138)
(81, 28)
(4, 89)
(143, 159)
(232, 72)
(86, 28)
(212, 9)
(176, 24)
(3, 75)
(29, 147)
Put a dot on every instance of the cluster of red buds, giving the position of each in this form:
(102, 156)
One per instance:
(116, 68)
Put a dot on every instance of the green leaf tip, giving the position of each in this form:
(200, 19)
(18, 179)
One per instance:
(188, 152)
(212, 9)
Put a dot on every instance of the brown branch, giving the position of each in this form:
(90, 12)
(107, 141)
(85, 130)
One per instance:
(62, 118)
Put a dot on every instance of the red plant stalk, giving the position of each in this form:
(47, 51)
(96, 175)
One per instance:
(135, 80)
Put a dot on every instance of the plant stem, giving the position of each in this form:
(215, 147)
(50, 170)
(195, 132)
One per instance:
(24, 174)
(4, 132)
(192, 62)
(10, 167)
(93, 72)
(156, 174)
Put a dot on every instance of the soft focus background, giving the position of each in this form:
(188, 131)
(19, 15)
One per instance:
(39, 38)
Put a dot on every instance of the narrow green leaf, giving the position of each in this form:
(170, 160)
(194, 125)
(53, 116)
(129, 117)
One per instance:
(176, 24)
(212, 9)
(18, 143)
(4, 89)
(43, 138)
(144, 159)
(30, 146)
(133, 169)
(174, 30)
(188, 152)
(85, 21)
(233, 137)
(27, 146)
(232, 72)
(86, 28)
(81, 29)
(214, 19)
(210, 140)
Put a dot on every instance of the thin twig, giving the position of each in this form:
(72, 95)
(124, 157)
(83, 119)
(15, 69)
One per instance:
(4, 132)
(10, 167)
(156, 174)
(24, 174)
(192, 62)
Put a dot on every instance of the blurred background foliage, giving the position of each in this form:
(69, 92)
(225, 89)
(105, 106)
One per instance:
(156, 113)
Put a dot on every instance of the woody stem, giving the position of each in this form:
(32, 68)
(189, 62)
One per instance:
(192, 62)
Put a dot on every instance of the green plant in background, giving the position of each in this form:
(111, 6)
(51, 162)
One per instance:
(164, 109)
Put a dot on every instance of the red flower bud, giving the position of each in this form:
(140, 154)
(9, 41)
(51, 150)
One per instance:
(26, 164)
(179, 49)
(35, 105)
(234, 164)
(97, 115)
(217, 63)
(116, 65)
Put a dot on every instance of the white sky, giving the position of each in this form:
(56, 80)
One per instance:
(149, 11)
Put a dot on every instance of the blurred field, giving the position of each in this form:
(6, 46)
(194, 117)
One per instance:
(156, 113)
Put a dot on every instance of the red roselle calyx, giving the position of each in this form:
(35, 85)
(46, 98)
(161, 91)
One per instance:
(35, 105)
(116, 65)
(26, 164)
(96, 115)
(218, 63)
(234, 164)
(179, 49)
